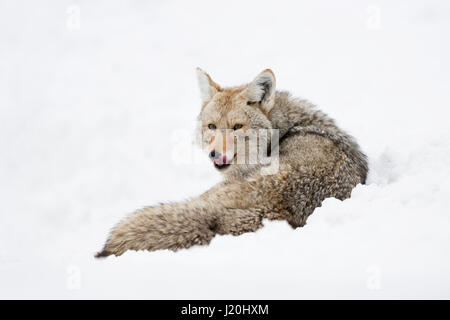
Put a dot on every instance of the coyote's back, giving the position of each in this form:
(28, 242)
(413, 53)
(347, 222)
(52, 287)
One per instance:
(310, 159)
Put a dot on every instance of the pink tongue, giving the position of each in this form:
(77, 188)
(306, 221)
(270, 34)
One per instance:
(220, 161)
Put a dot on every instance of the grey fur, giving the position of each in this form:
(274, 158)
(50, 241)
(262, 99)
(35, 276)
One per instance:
(317, 160)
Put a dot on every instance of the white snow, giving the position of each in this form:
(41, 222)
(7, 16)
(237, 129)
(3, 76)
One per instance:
(91, 109)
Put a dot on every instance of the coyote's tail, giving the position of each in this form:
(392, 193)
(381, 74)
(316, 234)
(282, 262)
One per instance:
(177, 226)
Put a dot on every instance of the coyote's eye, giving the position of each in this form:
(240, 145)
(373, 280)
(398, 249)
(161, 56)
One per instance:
(212, 126)
(237, 126)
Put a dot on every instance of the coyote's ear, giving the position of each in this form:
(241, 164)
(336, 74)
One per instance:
(262, 90)
(208, 88)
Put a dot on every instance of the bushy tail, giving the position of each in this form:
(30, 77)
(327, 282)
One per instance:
(177, 226)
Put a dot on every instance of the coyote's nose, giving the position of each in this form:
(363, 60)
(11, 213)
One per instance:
(213, 154)
(219, 160)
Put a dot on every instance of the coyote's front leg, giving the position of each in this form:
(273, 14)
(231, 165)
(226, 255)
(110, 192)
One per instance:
(177, 226)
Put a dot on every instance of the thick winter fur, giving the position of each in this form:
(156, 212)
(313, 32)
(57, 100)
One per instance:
(317, 160)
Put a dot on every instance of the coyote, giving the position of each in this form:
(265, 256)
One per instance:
(316, 160)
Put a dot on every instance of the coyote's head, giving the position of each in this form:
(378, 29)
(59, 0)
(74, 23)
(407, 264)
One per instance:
(234, 123)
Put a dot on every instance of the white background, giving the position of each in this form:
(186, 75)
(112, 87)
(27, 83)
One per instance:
(92, 94)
